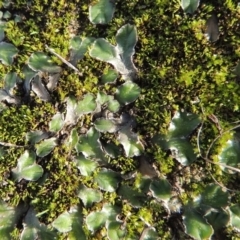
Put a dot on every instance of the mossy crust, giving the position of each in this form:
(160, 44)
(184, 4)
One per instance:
(178, 69)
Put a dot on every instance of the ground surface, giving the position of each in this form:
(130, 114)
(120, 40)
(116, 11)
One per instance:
(179, 70)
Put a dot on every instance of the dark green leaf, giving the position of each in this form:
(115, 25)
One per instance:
(33, 229)
(134, 197)
(213, 196)
(196, 226)
(10, 82)
(77, 224)
(105, 125)
(102, 12)
(90, 146)
(95, 220)
(89, 195)
(39, 61)
(217, 218)
(107, 180)
(103, 51)
(86, 166)
(9, 217)
(161, 189)
(182, 151)
(79, 47)
(111, 149)
(45, 147)
(56, 123)
(63, 223)
(234, 211)
(128, 92)
(183, 124)
(27, 168)
(87, 105)
(115, 231)
(109, 77)
(36, 136)
(190, 6)
(7, 53)
(230, 153)
(126, 40)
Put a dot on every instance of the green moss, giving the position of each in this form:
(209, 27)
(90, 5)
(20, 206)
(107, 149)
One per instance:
(123, 164)
(58, 191)
(159, 213)
(177, 66)
(15, 122)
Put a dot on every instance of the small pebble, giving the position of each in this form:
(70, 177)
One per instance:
(212, 29)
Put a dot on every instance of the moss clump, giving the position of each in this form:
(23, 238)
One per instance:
(58, 186)
(178, 69)
(15, 122)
